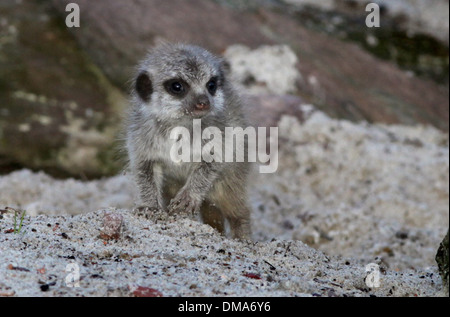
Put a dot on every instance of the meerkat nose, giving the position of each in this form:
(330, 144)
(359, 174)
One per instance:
(202, 103)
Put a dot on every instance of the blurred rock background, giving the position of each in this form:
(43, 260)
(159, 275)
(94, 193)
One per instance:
(62, 91)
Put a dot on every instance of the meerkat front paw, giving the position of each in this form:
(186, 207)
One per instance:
(150, 212)
(184, 203)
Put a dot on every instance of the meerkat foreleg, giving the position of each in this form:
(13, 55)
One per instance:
(149, 180)
(191, 196)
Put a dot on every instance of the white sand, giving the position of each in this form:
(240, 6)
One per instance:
(355, 193)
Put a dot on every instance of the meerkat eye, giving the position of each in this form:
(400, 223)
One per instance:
(212, 86)
(176, 87)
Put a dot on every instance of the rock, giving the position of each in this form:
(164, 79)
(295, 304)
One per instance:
(267, 69)
(266, 110)
(442, 259)
(6, 291)
(421, 16)
(416, 16)
(346, 82)
(117, 34)
(142, 291)
(59, 112)
(339, 77)
(112, 226)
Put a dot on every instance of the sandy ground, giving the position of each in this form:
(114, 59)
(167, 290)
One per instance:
(346, 195)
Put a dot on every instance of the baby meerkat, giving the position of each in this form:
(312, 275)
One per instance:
(175, 85)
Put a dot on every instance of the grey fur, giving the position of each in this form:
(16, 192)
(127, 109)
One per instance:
(216, 190)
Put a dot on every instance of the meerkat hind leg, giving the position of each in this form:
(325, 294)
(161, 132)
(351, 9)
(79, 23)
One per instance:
(212, 216)
(240, 226)
(235, 210)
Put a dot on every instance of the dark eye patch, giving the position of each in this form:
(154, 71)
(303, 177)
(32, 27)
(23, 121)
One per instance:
(212, 85)
(144, 87)
(176, 87)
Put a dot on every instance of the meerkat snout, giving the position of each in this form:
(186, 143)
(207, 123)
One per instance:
(202, 103)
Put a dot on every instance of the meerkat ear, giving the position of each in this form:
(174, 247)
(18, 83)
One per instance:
(225, 69)
(144, 86)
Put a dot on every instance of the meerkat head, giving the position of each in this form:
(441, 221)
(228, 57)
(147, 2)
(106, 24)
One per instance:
(180, 81)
